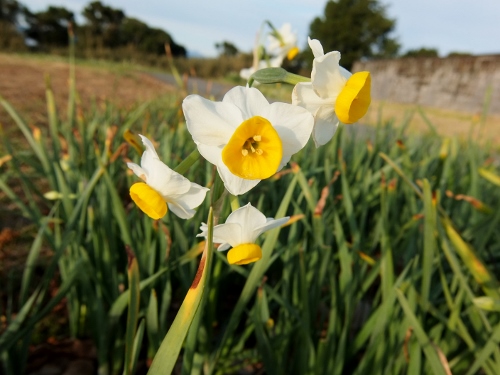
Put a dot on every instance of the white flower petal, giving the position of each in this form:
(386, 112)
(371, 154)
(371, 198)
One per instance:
(204, 233)
(345, 73)
(304, 96)
(183, 204)
(139, 172)
(249, 218)
(316, 47)
(229, 232)
(234, 184)
(203, 230)
(212, 153)
(248, 99)
(210, 123)
(325, 125)
(149, 154)
(270, 224)
(223, 247)
(281, 47)
(164, 180)
(326, 77)
(247, 73)
(294, 125)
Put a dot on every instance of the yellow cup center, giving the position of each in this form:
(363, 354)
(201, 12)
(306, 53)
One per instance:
(244, 254)
(148, 200)
(254, 151)
(292, 53)
(354, 99)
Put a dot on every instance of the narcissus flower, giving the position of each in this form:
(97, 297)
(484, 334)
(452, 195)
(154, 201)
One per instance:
(247, 138)
(283, 42)
(333, 94)
(240, 231)
(163, 187)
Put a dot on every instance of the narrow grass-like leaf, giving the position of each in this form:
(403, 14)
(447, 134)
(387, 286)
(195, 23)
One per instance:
(132, 316)
(166, 357)
(472, 261)
(425, 343)
(490, 176)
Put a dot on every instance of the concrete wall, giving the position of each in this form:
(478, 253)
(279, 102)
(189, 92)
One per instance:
(455, 83)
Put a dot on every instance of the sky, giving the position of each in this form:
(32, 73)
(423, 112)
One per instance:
(448, 25)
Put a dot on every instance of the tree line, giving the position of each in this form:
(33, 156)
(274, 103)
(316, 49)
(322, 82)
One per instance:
(104, 29)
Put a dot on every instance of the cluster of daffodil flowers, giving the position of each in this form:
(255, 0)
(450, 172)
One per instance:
(248, 140)
(280, 44)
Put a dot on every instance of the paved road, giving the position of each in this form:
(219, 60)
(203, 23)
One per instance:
(197, 85)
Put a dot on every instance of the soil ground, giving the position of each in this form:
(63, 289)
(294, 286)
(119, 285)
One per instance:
(22, 84)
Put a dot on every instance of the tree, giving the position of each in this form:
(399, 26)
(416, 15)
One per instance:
(49, 28)
(422, 52)
(226, 48)
(357, 28)
(103, 24)
(11, 11)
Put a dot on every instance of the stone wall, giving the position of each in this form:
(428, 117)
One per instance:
(455, 83)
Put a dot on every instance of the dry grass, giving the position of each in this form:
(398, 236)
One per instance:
(446, 123)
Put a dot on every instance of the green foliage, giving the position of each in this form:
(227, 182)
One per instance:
(10, 10)
(422, 52)
(226, 48)
(10, 38)
(357, 28)
(50, 27)
(459, 54)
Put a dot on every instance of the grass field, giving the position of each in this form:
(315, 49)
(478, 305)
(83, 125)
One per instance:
(390, 264)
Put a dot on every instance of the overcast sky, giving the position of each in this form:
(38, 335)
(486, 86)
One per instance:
(448, 25)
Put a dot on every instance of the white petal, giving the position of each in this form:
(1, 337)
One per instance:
(250, 219)
(183, 205)
(223, 247)
(325, 125)
(304, 96)
(149, 154)
(326, 76)
(234, 184)
(294, 125)
(247, 73)
(210, 123)
(276, 61)
(248, 99)
(345, 73)
(204, 233)
(139, 172)
(229, 232)
(212, 153)
(316, 47)
(164, 180)
(270, 224)
(203, 230)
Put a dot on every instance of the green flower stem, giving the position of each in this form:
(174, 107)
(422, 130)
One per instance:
(235, 204)
(188, 162)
